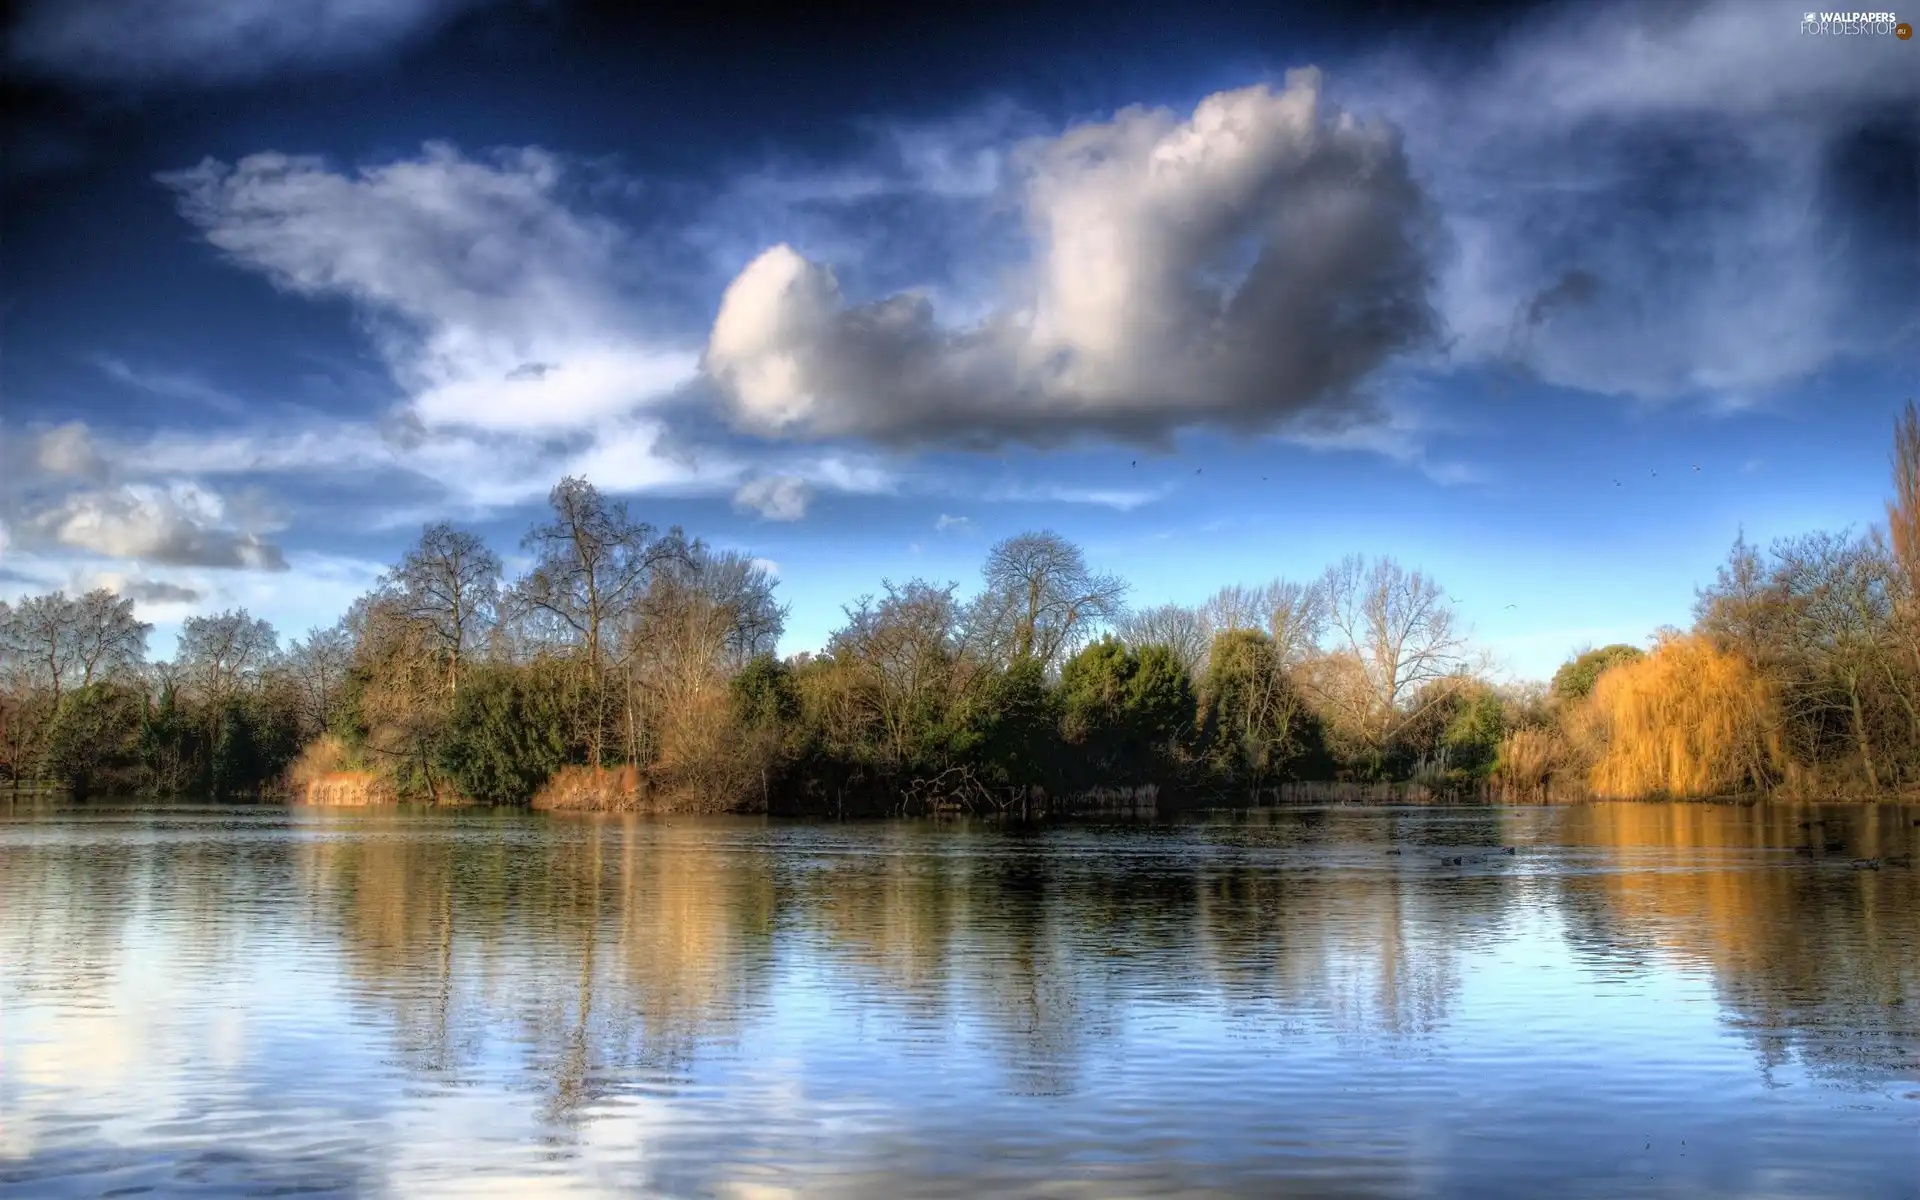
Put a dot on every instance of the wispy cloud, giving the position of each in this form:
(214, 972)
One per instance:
(172, 386)
(951, 524)
(1664, 201)
(1119, 499)
(213, 41)
(471, 269)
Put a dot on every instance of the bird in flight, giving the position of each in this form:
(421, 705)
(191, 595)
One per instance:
(1513, 606)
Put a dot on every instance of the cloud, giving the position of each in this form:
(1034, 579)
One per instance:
(174, 387)
(1251, 263)
(765, 564)
(153, 591)
(213, 41)
(66, 487)
(68, 450)
(1119, 499)
(181, 525)
(1401, 433)
(1667, 202)
(496, 305)
(1572, 289)
(140, 590)
(1644, 200)
(947, 524)
(775, 497)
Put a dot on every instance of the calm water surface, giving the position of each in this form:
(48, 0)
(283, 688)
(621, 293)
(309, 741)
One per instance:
(1644, 1000)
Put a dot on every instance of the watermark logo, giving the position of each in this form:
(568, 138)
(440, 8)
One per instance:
(1855, 24)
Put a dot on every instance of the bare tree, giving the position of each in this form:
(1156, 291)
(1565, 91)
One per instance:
(1397, 633)
(907, 656)
(221, 655)
(743, 588)
(1233, 607)
(1296, 619)
(1041, 598)
(450, 583)
(107, 639)
(1739, 610)
(41, 632)
(592, 565)
(318, 666)
(1836, 593)
(697, 622)
(1292, 614)
(1177, 627)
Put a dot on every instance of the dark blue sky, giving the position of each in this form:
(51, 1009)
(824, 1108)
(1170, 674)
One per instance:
(283, 280)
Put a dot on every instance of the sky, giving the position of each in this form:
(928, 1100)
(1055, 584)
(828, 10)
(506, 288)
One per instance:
(1550, 302)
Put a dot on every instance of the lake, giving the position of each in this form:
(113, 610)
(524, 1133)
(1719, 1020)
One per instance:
(1642, 1000)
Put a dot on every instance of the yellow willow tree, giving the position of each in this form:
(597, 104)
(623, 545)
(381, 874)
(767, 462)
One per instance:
(1903, 511)
(1903, 528)
(1690, 719)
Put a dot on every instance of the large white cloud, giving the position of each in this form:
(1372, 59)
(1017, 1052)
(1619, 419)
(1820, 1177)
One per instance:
(213, 41)
(1249, 263)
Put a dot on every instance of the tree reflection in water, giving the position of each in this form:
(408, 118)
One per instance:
(739, 999)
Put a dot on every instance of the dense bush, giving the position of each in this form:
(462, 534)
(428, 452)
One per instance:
(505, 734)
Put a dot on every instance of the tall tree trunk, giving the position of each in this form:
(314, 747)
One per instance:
(1860, 736)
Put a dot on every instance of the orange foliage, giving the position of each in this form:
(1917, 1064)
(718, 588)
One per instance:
(324, 775)
(1687, 720)
(707, 763)
(1529, 758)
(591, 789)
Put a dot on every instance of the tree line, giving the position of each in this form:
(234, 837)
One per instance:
(631, 666)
